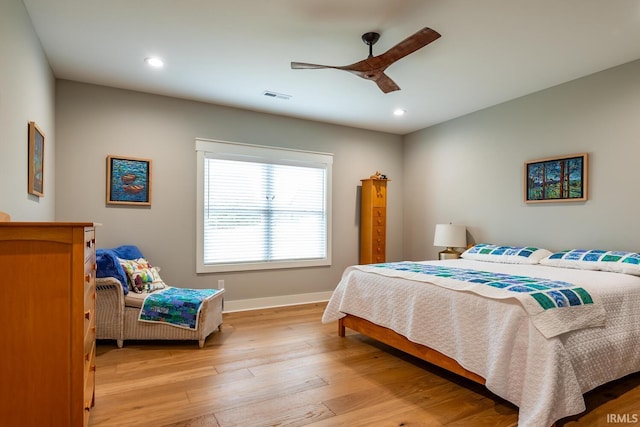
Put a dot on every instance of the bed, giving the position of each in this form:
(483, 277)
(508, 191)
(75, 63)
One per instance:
(542, 368)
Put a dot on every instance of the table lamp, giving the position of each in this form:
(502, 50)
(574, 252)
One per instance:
(450, 236)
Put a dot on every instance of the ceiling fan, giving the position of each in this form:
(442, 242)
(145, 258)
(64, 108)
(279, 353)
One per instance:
(373, 67)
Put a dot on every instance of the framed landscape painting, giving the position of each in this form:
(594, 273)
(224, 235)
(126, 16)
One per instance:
(36, 160)
(556, 179)
(128, 181)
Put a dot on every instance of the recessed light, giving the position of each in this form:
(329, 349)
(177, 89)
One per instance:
(154, 61)
(399, 112)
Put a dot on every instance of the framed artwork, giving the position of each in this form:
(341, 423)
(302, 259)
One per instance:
(128, 181)
(36, 160)
(556, 179)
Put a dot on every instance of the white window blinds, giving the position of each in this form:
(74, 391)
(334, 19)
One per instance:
(262, 207)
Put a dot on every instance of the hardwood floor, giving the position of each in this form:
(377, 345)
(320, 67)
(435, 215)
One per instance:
(283, 367)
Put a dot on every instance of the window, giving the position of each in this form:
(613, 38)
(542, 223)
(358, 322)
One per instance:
(262, 207)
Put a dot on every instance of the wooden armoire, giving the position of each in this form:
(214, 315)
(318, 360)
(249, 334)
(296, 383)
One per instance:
(373, 220)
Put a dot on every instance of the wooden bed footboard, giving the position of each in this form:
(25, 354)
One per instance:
(395, 340)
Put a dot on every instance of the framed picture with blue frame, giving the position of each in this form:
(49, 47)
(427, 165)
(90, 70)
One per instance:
(556, 179)
(128, 181)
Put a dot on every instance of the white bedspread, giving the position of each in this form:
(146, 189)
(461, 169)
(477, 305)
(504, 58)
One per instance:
(555, 315)
(545, 378)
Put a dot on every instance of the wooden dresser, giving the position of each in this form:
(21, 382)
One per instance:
(373, 221)
(47, 323)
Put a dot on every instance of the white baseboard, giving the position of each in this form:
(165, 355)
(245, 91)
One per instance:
(270, 302)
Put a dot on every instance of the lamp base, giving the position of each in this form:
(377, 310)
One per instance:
(448, 253)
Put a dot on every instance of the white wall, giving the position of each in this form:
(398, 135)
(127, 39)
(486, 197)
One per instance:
(95, 121)
(470, 170)
(27, 93)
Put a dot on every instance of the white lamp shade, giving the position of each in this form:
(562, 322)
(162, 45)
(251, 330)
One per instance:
(450, 236)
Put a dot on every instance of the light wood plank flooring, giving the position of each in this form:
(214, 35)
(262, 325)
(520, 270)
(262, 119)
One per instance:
(283, 367)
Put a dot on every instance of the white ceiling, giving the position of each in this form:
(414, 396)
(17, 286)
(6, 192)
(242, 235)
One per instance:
(229, 52)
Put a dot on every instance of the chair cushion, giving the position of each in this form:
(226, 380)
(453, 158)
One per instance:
(134, 299)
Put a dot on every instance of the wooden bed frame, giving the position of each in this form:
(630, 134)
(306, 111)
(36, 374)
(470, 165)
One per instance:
(400, 342)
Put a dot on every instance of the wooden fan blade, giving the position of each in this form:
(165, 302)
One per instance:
(408, 45)
(384, 82)
(305, 66)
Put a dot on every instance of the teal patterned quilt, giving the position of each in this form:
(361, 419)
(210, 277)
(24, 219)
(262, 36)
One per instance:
(554, 306)
(178, 307)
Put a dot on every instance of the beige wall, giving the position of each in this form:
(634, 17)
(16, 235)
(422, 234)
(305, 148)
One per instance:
(26, 94)
(470, 170)
(95, 121)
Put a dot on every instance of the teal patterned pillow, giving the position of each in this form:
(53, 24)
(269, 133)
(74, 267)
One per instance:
(594, 259)
(505, 254)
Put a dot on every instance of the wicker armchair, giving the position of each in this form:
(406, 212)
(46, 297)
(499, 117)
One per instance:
(110, 310)
(115, 320)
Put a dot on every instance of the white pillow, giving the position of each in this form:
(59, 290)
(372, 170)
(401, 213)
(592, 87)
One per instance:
(593, 259)
(505, 254)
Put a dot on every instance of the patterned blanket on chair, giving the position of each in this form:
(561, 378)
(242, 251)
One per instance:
(178, 307)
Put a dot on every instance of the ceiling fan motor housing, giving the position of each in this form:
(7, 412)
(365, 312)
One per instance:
(370, 39)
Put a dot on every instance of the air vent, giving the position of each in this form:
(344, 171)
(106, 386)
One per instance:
(276, 95)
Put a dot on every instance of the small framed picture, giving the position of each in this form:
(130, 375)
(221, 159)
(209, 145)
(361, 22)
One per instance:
(556, 179)
(36, 160)
(128, 181)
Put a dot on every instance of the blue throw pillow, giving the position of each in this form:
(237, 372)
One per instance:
(109, 265)
(128, 252)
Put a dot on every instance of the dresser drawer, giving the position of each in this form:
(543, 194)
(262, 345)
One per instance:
(89, 244)
(89, 277)
(89, 309)
(379, 216)
(378, 234)
(89, 282)
(89, 267)
(89, 332)
(89, 384)
(378, 245)
(89, 306)
(89, 364)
